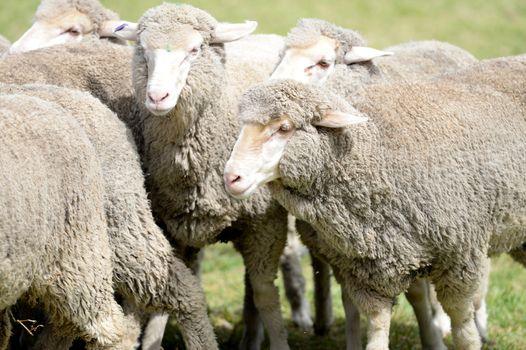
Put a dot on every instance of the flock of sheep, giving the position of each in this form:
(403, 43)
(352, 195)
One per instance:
(401, 170)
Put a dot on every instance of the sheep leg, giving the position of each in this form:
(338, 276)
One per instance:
(253, 333)
(261, 248)
(293, 280)
(378, 313)
(458, 304)
(294, 284)
(154, 332)
(479, 302)
(417, 295)
(5, 329)
(353, 339)
(322, 295)
(322, 279)
(183, 297)
(440, 318)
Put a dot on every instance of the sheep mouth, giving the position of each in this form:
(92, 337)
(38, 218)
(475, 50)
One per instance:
(160, 112)
(243, 191)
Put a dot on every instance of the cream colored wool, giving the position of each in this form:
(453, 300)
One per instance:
(54, 245)
(147, 274)
(406, 194)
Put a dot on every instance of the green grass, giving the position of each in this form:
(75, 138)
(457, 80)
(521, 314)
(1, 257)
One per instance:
(223, 283)
(485, 28)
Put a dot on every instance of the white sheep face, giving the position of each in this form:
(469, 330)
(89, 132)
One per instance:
(70, 26)
(254, 161)
(168, 69)
(310, 65)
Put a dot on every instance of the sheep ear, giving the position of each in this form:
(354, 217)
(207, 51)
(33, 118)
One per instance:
(119, 29)
(335, 119)
(226, 32)
(363, 54)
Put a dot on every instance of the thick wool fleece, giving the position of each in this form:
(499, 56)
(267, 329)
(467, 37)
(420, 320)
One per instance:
(407, 194)
(54, 245)
(94, 66)
(146, 272)
(98, 14)
(186, 152)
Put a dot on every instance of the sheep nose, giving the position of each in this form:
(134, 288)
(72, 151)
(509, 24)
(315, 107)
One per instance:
(156, 97)
(232, 178)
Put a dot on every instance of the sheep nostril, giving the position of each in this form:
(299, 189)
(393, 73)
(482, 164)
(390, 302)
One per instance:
(232, 178)
(157, 98)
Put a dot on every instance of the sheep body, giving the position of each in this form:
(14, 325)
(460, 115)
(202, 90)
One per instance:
(389, 185)
(52, 214)
(185, 153)
(147, 274)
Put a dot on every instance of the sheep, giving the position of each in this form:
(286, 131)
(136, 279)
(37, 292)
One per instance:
(147, 274)
(188, 128)
(68, 21)
(425, 167)
(54, 245)
(322, 53)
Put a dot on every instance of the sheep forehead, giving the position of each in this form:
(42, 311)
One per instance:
(93, 9)
(307, 32)
(167, 18)
(65, 19)
(276, 98)
(317, 50)
(181, 37)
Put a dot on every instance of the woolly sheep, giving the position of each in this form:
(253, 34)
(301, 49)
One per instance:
(68, 21)
(51, 214)
(317, 51)
(188, 129)
(397, 174)
(147, 274)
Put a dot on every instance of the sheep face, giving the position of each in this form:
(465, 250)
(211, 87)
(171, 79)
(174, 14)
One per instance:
(311, 64)
(172, 39)
(67, 27)
(169, 63)
(273, 117)
(315, 46)
(66, 21)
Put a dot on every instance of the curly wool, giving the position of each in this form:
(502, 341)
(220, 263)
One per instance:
(167, 19)
(308, 30)
(142, 256)
(51, 214)
(276, 98)
(98, 14)
(408, 192)
(94, 66)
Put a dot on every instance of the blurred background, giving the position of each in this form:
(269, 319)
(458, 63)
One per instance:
(485, 28)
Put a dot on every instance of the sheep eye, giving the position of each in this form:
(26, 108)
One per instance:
(194, 51)
(285, 127)
(73, 32)
(323, 64)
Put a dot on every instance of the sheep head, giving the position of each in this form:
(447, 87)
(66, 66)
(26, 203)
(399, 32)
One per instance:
(314, 46)
(171, 39)
(273, 115)
(66, 21)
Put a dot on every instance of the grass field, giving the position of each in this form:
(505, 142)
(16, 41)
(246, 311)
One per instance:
(486, 28)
